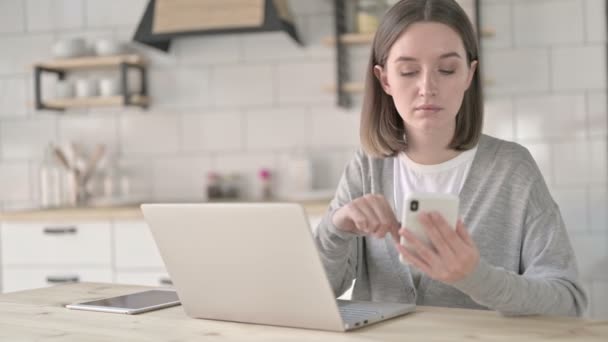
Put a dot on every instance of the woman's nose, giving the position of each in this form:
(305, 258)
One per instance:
(428, 85)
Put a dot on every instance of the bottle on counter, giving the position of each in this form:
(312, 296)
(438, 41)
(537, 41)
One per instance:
(265, 184)
(230, 186)
(214, 186)
(51, 176)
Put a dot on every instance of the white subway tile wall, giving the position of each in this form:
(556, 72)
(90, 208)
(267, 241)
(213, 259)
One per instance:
(12, 16)
(50, 15)
(238, 103)
(212, 132)
(13, 94)
(579, 67)
(553, 72)
(551, 30)
(595, 20)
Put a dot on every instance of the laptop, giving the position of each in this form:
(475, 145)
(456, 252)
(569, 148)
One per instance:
(253, 263)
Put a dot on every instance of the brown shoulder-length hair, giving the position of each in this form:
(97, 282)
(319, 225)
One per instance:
(382, 130)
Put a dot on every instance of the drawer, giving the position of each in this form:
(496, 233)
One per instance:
(135, 246)
(159, 278)
(21, 278)
(42, 244)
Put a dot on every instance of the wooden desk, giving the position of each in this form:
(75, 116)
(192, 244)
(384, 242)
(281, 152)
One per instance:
(40, 315)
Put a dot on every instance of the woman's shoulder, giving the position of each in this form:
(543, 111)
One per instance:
(367, 161)
(508, 155)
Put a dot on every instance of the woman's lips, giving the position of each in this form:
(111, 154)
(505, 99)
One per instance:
(428, 108)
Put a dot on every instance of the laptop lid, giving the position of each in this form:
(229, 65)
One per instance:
(245, 262)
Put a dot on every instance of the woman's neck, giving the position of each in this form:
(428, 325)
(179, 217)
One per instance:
(429, 148)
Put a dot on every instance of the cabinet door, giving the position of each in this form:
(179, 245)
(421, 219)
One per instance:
(56, 244)
(135, 247)
(20, 278)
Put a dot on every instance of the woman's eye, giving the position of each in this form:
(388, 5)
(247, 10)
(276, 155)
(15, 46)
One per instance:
(446, 72)
(408, 73)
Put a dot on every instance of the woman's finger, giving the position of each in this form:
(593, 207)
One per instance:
(453, 240)
(414, 260)
(443, 247)
(370, 223)
(425, 253)
(461, 230)
(386, 216)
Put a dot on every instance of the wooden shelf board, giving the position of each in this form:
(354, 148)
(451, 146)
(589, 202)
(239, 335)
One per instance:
(94, 101)
(91, 62)
(348, 87)
(351, 38)
(488, 32)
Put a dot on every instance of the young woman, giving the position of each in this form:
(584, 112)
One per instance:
(421, 132)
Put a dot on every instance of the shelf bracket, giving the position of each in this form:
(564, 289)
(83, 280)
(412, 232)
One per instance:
(342, 66)
(124, 75)
(38, 70)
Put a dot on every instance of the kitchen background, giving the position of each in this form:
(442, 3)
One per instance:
(242, 102)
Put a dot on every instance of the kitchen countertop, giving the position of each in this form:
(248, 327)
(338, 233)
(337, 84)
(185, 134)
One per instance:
(37, 315)
(131, 212)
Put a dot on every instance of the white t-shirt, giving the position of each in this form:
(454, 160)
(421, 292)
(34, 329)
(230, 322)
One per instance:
(447, 177)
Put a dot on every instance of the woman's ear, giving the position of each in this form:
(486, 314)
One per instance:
(381, 76)
(472, 70)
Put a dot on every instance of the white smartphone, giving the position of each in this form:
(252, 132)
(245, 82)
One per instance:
(415, 203)
(131, 304)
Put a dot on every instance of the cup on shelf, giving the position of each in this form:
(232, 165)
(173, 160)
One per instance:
(86, 87)
(69, 47)
(64, 89)
(108, 47)
(109, 87)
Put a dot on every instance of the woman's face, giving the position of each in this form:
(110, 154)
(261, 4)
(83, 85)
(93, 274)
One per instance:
(427, 74)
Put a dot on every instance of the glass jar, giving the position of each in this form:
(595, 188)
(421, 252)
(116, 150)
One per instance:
(51, 179)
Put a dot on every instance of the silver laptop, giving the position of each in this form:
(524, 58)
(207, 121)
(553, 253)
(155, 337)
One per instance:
(254, 263)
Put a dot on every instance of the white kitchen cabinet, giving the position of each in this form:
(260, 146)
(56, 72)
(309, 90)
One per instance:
(38, 254)
(137, 259)
(135, 247)
(41, 244)
(105, 245)
(24, 278)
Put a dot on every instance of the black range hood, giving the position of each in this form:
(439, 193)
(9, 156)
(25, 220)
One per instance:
(273, 20)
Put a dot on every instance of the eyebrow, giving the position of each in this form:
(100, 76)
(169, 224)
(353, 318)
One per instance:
(412, 59)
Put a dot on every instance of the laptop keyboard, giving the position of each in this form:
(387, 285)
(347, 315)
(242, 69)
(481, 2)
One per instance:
(355, 311)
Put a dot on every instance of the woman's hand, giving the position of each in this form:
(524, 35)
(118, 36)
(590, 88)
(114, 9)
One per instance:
(367, 215)
(453, 255)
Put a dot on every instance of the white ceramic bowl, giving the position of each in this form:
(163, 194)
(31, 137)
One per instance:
(70, 47)
(108, 47)
(64, 89)
(86, 88)
(109, 87)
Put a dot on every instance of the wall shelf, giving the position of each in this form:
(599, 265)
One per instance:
(61, 67)
(99, 101)
(91, 62)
